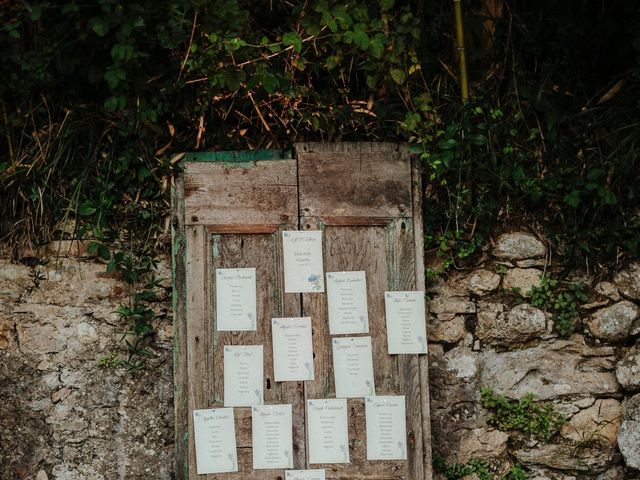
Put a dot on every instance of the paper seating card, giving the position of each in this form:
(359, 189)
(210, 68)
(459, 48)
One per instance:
(243, 375)
(235, 299)
(215, 440)
(386, 428)
(317, 474)
(406, 323)
(327, 428)
(292, 349)
(353, 367)
(303, 268)
(347, 301)
(272, 432)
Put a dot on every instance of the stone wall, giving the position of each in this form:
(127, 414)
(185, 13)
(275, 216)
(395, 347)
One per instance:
(485, 333)
(64, 416)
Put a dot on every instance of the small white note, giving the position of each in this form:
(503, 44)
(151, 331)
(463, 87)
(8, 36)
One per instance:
(347, 301)
(327, 427)
(303, 268)
(243, 375)
(292, 349)
(386, 428)
(317, 474)
(406, 323)
(215, 440)
(272, 432)
(235, 299)
(353, 367)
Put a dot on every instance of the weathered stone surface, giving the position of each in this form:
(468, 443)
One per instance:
(563, 367)
(483, 282)
(629, 434)
(600, 421)
(441, 304)
(567, 457)
(609, 290)
(462, 362)
(628, 370)
(541, 262)
(617, 473)
(448, 331)
(42, 475)
(518, 246)
(614, 323)
(520, 324)
(522, 280)
(628, 281)
(482, 443)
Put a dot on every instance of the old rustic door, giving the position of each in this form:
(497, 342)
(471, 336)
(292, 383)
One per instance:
(229, 211)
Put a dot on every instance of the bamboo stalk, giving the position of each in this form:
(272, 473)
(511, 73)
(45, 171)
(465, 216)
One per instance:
(462, 58)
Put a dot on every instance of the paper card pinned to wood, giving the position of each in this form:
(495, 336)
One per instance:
(386, 428)
(303, 266)
(317, 474)
(272, 432)
(292, 349)
(406, 323)
(353, 367)
(215, 440)
(347, 302)
(236, 299)
(243, 375)
(328, 431)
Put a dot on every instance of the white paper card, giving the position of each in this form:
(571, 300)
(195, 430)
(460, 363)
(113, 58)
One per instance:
(317, 474)
(327, 427)
(347, 300)
(292, 349)
(386, 428)
(243, 375)
(353, 367)
(272, 433)
(235, 299)
(303, 268)
(215, 439)
(406, 324)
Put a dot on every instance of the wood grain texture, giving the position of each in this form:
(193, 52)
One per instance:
(180, 377)
(241, 193)
(197, 329)
(423, 360)
(354, 180)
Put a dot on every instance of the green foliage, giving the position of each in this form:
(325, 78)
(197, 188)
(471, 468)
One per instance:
(136, 270)
(563, 304)
(476, 467)
(538, 419)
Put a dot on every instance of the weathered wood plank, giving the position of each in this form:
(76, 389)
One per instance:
(240, 251)
(197, 329)
(354, 180)
(423, 360)
(180, 392)
(244, 193)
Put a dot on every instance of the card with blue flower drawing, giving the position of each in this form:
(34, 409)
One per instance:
(292, 349)
(406, 322)
(328, 439)
(311, 474)
(243, 375)
(215, 440)
(272, 436)
(353, 367)
(303, 266)
(347, 302)
(235, 299)
(386, 427)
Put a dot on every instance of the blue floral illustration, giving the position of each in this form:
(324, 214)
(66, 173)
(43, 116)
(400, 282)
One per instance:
(232, 459)
(314, 280)
(369, 386)
(307, 365)
(401, 446)
(421, 341)
(345, 453)
(363, 320)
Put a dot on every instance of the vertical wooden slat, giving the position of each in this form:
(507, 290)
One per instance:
(423, 360)
(197, 329)
(180, 377)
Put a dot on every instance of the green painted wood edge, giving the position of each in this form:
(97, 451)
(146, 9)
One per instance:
(241, 156)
